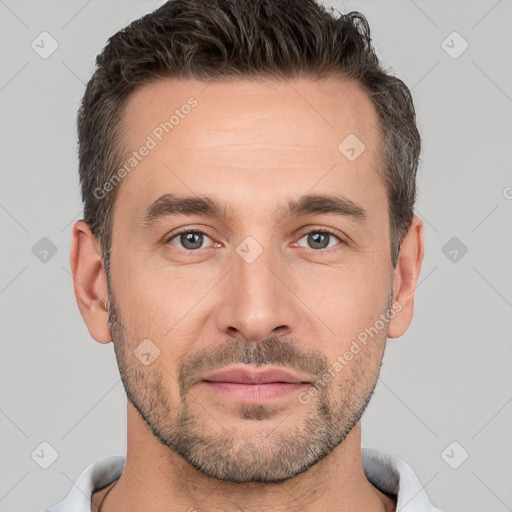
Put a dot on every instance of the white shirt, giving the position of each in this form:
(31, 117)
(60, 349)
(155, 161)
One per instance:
(386, 472)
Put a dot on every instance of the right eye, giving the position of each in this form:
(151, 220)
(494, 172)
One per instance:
(190, 240)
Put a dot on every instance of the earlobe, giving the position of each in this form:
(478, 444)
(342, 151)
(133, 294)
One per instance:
(405, 278)
(89, 281)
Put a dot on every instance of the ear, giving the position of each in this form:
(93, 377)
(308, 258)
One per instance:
(90, 281)
(405, 278)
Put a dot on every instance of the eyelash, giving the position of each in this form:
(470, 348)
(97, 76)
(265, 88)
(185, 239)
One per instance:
(322, 230)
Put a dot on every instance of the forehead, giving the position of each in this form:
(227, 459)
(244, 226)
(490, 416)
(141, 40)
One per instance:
(232, 136)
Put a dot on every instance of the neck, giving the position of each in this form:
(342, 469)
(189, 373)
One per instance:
(154, 478)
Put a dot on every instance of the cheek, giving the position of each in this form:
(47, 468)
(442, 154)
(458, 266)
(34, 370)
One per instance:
(165, 303)
(347, 298)
(152, 289)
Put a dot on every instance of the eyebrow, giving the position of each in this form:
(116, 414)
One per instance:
(311, 204)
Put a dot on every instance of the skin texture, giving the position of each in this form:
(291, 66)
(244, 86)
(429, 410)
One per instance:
(251, 146)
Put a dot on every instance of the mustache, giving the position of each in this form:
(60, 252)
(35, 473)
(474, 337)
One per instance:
(271, 351)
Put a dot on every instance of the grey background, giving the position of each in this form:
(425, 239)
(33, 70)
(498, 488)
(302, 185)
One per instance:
(447, 379)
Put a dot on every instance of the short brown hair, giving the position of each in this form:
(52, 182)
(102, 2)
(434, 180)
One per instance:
(207, 40)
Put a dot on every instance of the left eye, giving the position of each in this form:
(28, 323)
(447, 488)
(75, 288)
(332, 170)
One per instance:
(320, 239)
(189, 240)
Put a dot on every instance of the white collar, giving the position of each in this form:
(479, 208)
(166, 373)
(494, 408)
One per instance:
(388, 473)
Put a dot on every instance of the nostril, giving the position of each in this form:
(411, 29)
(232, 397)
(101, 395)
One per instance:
(282, 330)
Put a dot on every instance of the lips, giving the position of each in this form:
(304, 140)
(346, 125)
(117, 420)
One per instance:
(246, 376)
(253, 386)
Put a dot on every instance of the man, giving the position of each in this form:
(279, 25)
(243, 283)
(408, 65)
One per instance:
(248, 245)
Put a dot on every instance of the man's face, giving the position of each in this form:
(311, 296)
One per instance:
(255, 285)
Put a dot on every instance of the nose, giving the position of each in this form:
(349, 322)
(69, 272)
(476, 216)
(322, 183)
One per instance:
(257, 302)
